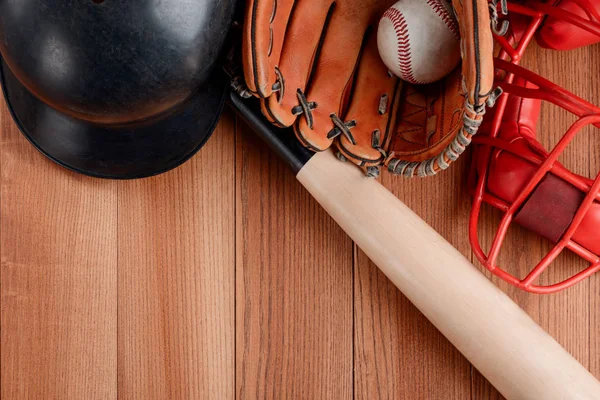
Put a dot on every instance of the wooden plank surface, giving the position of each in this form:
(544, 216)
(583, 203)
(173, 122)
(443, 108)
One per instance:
(594, 284)
(224, 278)
(58, 282)
(294, 286)
(176, 278)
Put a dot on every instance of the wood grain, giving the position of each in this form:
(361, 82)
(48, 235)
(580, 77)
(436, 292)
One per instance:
(594, 289)
(58, 277)
(294, 286)
(176, 278)
(399, 354)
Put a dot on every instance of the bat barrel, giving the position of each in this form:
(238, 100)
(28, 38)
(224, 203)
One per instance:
(512, 351)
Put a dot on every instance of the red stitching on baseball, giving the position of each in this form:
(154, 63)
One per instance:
(404, 51)
(443, 13)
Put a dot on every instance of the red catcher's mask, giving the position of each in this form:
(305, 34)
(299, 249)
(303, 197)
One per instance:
(511, 170)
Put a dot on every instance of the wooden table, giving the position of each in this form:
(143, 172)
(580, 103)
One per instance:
(224, 278)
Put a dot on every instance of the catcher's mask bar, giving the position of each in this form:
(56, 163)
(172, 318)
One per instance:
(548, 199)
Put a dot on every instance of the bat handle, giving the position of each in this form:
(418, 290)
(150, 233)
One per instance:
(514, 353)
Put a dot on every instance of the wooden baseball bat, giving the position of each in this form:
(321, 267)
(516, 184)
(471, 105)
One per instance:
(513, 352)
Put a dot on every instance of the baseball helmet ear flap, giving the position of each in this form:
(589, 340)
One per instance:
(115, 89)
(514, 173)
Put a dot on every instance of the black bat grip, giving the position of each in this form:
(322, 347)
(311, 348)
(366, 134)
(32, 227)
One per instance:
(282, 141)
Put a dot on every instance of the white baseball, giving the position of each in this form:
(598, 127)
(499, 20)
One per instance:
(419, 40)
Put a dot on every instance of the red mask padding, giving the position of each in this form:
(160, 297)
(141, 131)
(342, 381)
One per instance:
(551, 207)
(562, 35)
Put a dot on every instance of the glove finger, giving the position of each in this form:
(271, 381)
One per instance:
(477, 51)
(265, 26)
(374, 102)
(298, 54)
(331, 82)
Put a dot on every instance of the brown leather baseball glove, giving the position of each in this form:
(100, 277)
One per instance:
(315, 66)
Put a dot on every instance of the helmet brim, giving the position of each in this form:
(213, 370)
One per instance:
(134, 150)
